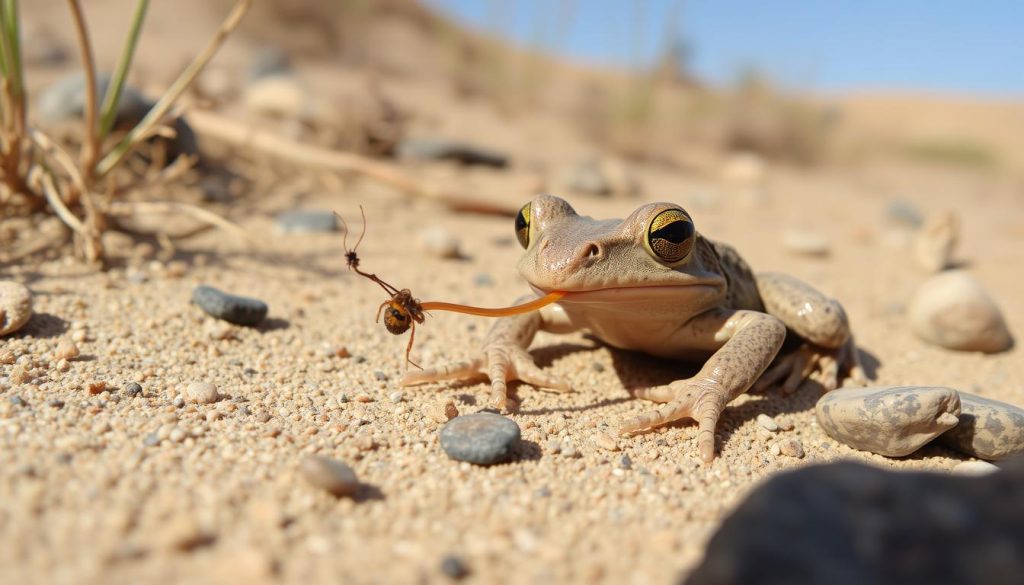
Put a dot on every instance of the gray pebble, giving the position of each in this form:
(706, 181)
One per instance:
(230, 308)
(483, 279)
(767, 423)
(15, 306)
(55, 403)
(453, 150)
(903, 211)
(988, 429)
(482, 438)
(269, 61)
(331, 475)
(625, 463)
(133, 389)
(454, 567)
(17, 401)
(151, 440)
(306, 221)
(380, 376)
(890, 421)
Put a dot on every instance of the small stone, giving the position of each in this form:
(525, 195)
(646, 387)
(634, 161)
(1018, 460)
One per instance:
(785, 423)
(151, 440)
(380, 376)
(935, 242)
(17, 401)
(974, 468)
(454, 567)
(953, 310)
(483, 279)
(233, 309)
(278, 96)
(775, 449)
(66, 350)
(94, 388)
(342, 352)
(305, 221)
(625, 463)
(396, 396)
(767, 423)
(791, 448)
(184, 534)
(441, 411)
(7, 357)
(805, 243)
(331, 475)
(905, 212)
(15, 306)
(177, 435)
(604, 441)
(268, 61)
(440, 149)
(202, 393)
(988, 429)
(55, 403)
(890, 421)
(481, 438)
(133, 389)
(602, 177)
(439, 242)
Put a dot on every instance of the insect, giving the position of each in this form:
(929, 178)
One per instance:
(403, 311)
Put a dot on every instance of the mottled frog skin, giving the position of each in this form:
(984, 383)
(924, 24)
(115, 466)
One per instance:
(652, 283)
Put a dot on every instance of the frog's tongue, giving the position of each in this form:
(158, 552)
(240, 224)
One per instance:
(496, 312)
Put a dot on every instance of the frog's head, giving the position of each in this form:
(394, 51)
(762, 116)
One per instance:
(654, 247)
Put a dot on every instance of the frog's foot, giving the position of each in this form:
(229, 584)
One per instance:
(501, 364)
(818, 364)
(703, 402)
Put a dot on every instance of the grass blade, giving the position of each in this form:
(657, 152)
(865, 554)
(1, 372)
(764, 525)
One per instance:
(108, 111)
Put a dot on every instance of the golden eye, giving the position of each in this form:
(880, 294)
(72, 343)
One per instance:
(670, 235)
(523, 226)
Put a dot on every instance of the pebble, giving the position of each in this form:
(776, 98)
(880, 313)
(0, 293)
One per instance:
(988, 429)
(974, 468)
(202, 393)
(278, 95)
(380, 376)
(151, 440)
(482, 438)
(606, 442)
(15, 306)
(441, 411)
(230, 308)
(453, 150)
(935, 242)
(792, 448)
(133, 389)
(953, 310)
(439, 242)
(396, 396)
(601, 177)
(767, 423)
(66, 350)
(7, 357)
(890, 421)
(849, 523)
(306, 221)
(454, 567)
(905, 212)
(268, 61)
(331, 475)
(805, 243)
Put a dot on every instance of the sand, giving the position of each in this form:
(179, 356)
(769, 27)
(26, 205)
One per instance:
(100, 486)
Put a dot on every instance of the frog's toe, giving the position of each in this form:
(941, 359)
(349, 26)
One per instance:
(704, 405)
(656, 393)
(527, 371)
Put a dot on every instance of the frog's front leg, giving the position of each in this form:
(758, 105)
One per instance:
(829, 351)
(504, 357)
(744, 343)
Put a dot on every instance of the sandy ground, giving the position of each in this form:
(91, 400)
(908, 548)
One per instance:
(85, 499)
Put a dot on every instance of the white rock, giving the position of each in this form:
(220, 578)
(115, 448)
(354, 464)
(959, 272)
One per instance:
(439, 242)
(15, 306)
(953, 310)
(805, 243)
(974, 468)
(936, 241)
(202, 393)
(767, 423)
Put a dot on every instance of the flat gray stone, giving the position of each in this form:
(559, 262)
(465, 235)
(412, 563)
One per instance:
(453, 150)
(482, 438)
(890, 421)
(231, 308)
(306, 221)
(988, 429)
(850, 524)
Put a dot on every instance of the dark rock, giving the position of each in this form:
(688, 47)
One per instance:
(133, 389)
(454, 567)
(850, 524)
(482, 438)
(988, 429)
(453, 150)
(306, 221)
(230, 308)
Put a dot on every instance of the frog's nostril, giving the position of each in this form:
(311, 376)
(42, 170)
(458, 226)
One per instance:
(591, 250)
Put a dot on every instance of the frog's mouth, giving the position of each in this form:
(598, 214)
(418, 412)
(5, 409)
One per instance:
(634, 294)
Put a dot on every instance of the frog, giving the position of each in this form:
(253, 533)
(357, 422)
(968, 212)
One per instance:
(652, 283)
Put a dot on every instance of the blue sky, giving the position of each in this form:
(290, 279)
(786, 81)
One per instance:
(942, 45)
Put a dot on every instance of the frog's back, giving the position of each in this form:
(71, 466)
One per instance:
(741, 286)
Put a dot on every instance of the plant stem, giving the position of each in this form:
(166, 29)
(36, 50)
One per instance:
(90, 148)
(113, 96)
(156, 114)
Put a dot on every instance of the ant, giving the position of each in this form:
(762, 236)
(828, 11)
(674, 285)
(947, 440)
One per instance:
(403, 311)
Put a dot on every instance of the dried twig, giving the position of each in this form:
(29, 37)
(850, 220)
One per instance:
(241, 135)
(91, 147)
(125, 208)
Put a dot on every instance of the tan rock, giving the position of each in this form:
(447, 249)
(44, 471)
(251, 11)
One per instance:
(953, 310)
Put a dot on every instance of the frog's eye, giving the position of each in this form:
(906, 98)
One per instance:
(523, 226)
(670, 235)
